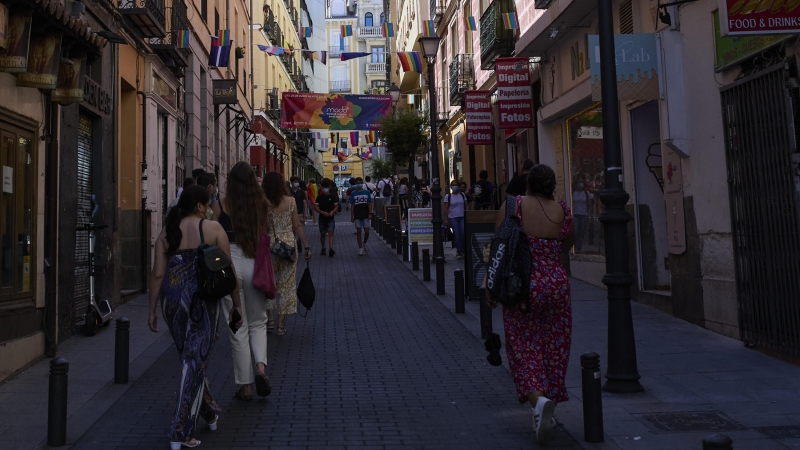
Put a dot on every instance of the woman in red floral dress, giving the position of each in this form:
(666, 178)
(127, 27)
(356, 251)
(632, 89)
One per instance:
(538, 341)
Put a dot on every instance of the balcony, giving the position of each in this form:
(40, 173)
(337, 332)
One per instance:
(496, 41)
(147, 15)
(288, 62)
(462, 77)
(273, 109)
(437, 10)
(376, 67)
(167, 47)
(336, 52)
(340, 86)
(370, 33)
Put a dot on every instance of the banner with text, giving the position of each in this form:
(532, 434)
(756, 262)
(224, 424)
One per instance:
(479, 117)
(334, 111)
(740, 17)
(514, 100)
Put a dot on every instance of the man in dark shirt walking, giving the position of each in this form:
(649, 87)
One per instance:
(300, 197)
(519, 184)
(361, 213)
(482, 190)
(326, 206)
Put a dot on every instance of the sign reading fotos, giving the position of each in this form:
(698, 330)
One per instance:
(514, 99)
(479, 117)
(69, 87)
(14, 59)
(224, 92)
(44, 58)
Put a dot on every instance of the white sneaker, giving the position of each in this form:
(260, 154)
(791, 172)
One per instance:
(543, 421)
(361, 252)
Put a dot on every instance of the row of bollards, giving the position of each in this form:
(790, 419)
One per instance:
(59, 382)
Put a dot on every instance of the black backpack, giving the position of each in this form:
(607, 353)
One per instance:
(215, 278)
(387, 189)
(509, 272)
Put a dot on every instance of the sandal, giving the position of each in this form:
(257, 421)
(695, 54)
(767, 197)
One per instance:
(241, 395)
(281, 331)
(270, 325)
(213, 424)
(177, 445)
(263, 387)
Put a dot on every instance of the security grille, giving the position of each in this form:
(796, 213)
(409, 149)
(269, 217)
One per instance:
(84, 199)
(760, 146)
(626, 17)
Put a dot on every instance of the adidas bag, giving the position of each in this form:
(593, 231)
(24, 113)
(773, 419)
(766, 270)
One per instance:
(509, 272)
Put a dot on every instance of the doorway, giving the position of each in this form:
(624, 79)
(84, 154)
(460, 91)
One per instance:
(651, 216)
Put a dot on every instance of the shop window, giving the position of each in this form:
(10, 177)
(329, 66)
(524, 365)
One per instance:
(17, 206)
(587, 171)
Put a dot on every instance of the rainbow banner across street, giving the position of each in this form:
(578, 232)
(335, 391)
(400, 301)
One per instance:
(334, 111)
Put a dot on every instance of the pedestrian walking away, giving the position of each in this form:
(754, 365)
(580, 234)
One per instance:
(299, 197)
(403, 196)
(416, 193)
(327, 206)
(244, 217)
(426, 194)
(368, 185)
(285, 225)
(454, 205)
(361, 214)
(538, 341)
(483, 190)
(191, 320)
(385, 189)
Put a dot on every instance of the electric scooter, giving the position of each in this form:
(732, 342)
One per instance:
(97, 312)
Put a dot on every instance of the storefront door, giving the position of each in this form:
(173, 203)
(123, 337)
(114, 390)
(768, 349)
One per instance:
(85, 206)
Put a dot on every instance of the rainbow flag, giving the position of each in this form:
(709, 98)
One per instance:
(428, 28)
(183, 38)
(305, 32)
(354, 138)
(223, 37)
(469, 22)
(346, 30)
(388, 30)
(274, 92)
(510, 21)
(372, 136)
(324, 142)
(410, 99)
(410, 61)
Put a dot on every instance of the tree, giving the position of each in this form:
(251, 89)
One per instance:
(381, 169)
(404, 135)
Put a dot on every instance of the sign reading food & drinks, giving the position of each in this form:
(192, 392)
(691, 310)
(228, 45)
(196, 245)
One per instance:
(514, 100)
(738, 17)
(478, 113)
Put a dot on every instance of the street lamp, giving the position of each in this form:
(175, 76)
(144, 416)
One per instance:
(394, 91)
(622, 374)
(430, 47)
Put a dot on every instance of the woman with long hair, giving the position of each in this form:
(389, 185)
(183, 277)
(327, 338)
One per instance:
(538, 340)
(244, 216)
(285, 225)
(192, 321)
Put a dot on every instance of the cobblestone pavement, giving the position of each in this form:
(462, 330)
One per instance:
(379, 363)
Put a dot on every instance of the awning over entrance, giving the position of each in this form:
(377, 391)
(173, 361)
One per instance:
(562, 15)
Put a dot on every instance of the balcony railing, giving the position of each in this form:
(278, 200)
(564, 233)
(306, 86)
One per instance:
(147, 15)
(376, 67)
(437, 10)
(337, 51)
(167, 47)
(462, 77)
(496, 41)
(288, 62)
(340, 86)
(370, 33)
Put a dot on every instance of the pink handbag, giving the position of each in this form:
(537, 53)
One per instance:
(263, 273)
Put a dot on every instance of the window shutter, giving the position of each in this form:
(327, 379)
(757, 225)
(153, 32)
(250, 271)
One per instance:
(626, 17)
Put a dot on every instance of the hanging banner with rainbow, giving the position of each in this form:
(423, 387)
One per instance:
(334, 111)
(411, 61)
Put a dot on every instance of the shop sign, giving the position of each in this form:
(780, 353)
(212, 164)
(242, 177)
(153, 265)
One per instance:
(14, 59)
(741, 17)
(69, 87)
(8, 180)
(224, 92)
(95, 96)
(420, 228)
(44, 58)
(575, 63)
(514, 100)
(589, 133)
(478, 114)
(3, 25)
(637, 66)
(673, 196)
(165, 92)
(730, 50)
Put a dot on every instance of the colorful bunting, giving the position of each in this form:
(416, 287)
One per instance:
(388, 30)
(510, 21)
(469, 22)
(305, 32)
(271, 49)
(372, 136)
(220, 55)
(410, 99)
(428, 28)
(346, 30)
(223, 38)
(354, 138)
(346, 56)
(324, 142)
(410, 61)
(321, 56)
(183, 38)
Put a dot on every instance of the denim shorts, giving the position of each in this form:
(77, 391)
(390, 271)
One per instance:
(327, 225)
(361, 223)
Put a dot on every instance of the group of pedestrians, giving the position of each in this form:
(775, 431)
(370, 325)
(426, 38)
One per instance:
(236, 224)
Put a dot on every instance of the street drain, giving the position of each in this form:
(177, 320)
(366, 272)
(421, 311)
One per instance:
(780, 432)
(690, 421)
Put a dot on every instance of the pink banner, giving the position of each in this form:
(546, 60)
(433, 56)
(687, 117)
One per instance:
(479, 117)
(514, 100)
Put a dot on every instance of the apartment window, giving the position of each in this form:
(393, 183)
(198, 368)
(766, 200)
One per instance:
(378, 54)
(368, 19)
(337, 8)
(204, 10)
(453, 41)
(216, 20)
(382, 19)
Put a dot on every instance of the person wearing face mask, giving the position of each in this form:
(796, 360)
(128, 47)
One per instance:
(454, 205)
(326, 206)
(209, 181)
(580, 211)
(361, 213)
(300, 198)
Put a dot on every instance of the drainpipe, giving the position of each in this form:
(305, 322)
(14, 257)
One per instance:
(50, 316)
(145, 242)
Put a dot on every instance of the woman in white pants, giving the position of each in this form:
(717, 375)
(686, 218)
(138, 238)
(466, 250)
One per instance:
(244, 217)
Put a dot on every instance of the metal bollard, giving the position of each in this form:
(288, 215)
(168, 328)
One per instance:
(717, 441)
(392, 237)
(57, 403)
(415, 256)
(380, 227)
(440, 276)
(459, 280)
(426, 265)
(406, 255)
(398, 240)
(122, 351)
(486, 315)
(592, 397)
(388, 234)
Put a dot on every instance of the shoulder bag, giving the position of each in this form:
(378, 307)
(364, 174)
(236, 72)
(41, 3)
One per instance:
(282, 249)
(264, 272)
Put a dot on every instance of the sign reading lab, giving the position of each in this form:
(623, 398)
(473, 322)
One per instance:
(636, 57)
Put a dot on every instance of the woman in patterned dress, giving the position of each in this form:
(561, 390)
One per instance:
(286, 226)
(538, 341)
(191, 320)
